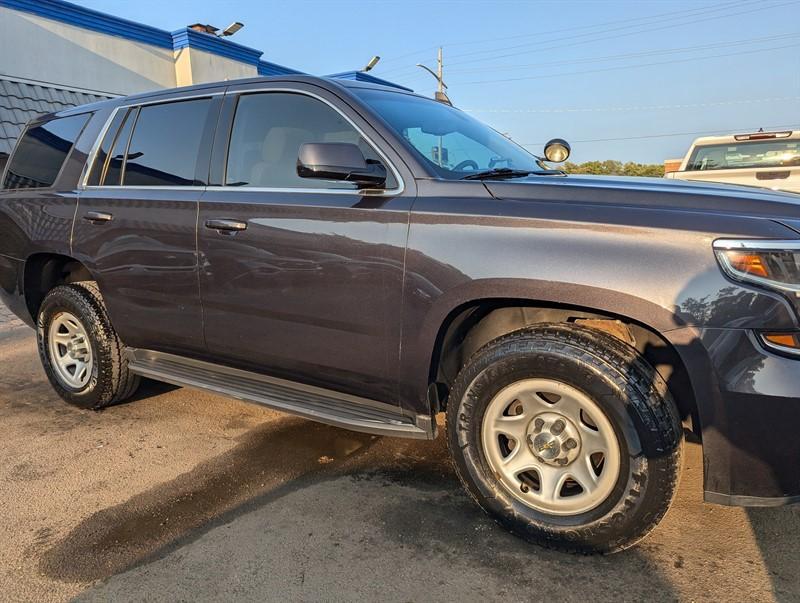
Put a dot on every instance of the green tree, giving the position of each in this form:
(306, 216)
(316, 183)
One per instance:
(610, 167)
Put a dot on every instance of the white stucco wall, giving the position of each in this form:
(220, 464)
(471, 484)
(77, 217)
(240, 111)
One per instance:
(39, 49)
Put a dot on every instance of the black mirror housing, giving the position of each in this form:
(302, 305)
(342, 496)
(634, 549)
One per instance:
(339, 161)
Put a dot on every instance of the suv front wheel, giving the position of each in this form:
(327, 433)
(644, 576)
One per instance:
(80, 351)
(567, 437)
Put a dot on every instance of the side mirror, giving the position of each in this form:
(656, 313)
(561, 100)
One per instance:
(339, 161)
(557, 150)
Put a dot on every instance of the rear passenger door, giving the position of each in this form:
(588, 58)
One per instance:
(135, 228)
(302, 279)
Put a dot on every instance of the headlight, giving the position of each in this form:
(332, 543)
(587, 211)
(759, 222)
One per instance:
(770, 263)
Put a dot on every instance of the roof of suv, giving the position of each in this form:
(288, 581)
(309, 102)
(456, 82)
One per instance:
(307, 79)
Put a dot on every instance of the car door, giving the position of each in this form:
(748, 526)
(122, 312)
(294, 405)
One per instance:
(135, 228)
(302, 279)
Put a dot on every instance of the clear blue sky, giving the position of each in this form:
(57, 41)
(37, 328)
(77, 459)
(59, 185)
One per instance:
(581, 70)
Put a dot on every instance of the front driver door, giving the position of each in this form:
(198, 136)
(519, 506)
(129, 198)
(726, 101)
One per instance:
(301, 279)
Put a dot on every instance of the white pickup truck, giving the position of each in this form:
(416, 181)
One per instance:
(767, 159)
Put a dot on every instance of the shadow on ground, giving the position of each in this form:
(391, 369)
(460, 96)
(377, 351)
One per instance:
(266, 461)
(778, 548)
(315, 512)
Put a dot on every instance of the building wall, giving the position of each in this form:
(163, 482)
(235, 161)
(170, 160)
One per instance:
(195, 66)
(45, 50)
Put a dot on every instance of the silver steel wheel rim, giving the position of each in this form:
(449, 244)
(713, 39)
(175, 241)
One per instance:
(70, 350)
(551, 446)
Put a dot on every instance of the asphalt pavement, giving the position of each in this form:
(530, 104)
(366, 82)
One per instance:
(185, 496)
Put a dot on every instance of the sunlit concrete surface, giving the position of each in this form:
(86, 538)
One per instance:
(181, 495)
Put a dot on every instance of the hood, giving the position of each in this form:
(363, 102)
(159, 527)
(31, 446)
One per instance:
(659, 193)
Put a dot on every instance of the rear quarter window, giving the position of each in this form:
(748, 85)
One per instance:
(42, 151)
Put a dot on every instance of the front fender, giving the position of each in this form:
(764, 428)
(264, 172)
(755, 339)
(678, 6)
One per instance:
(652, 266)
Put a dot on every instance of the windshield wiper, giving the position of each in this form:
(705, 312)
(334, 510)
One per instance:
(497, 173)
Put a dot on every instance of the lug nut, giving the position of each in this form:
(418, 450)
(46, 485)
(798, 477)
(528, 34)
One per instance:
(538, 424)
(570, 444)
(557, 427)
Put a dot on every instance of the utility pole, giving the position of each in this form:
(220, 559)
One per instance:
(439, 72)
(440, 95)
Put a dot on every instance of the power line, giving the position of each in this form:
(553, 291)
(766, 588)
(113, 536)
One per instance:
(781, 127)
(600, 38)
(638, 108)
(613, 57)
(683, 20)
(623, 67)
(562, 30)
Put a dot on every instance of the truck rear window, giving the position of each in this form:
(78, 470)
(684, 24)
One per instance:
(41, 152)
(745, 155)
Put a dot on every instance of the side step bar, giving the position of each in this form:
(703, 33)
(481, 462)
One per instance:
(315, 403)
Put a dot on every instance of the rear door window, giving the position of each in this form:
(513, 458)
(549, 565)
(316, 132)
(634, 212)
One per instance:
(165, 145)
(42, 151)
(153, 145)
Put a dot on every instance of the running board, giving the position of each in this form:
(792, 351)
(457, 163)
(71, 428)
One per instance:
(315, 403)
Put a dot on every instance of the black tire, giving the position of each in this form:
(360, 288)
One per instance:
(111, 381)
(627, 389)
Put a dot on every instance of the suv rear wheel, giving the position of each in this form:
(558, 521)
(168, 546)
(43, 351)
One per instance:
(80, 351)
(567, 437)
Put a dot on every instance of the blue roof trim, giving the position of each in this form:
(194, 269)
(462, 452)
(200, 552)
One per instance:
(361, 76)
(72, 14)
(190, 38)
(267, 68)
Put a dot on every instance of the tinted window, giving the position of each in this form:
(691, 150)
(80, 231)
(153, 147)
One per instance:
(268, 130)
(116, 157)
(453, 143)
(166, 143)
(746, 155)
(95, 176)
(42, 151)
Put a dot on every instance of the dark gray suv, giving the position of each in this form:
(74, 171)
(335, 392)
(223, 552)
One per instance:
(370, 258)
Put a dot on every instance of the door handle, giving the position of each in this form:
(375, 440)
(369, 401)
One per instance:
(229, 225)
(98, 216)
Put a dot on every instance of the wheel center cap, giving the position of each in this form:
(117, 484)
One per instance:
(554, 439)
(547, 446)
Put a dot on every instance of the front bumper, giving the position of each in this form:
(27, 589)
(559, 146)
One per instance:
(749, 410)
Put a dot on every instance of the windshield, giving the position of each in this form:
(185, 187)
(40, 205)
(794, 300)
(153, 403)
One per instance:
(450, 141)
(743, 155)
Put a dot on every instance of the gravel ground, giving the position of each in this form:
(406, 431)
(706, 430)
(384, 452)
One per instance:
(182, 495)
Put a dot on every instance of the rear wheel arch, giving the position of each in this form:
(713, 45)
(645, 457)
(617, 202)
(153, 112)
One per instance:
(472, 325)
(45, 271)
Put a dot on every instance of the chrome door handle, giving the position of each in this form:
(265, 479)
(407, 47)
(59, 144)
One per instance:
(230, 225)
(98, 216)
